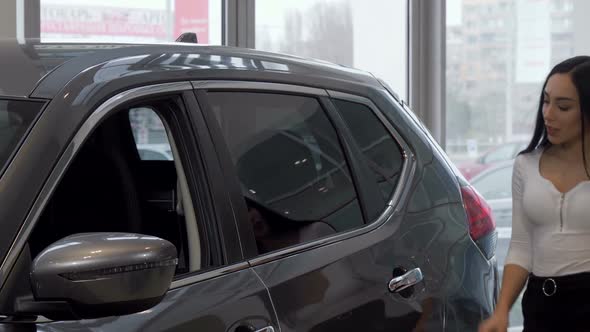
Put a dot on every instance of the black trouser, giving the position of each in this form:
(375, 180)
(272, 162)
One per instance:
(557, 303)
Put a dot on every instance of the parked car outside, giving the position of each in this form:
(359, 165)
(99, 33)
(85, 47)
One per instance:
(154, 151)
(503, 152)
(495, 185)
(299, 196)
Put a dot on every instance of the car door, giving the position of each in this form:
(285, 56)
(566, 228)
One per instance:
(218, 290)
(319, 202)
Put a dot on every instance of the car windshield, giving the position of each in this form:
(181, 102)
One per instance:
(16, 117)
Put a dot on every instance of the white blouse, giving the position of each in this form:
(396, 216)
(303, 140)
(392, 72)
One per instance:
(550, 229)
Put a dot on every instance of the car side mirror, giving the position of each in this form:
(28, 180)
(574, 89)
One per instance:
(94, 275)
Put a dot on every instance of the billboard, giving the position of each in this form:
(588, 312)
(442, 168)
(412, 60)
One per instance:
(105, 21)
(97, 22)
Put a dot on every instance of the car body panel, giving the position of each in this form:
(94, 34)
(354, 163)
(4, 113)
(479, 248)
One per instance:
(222, 303)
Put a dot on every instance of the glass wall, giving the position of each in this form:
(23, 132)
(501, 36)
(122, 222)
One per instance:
(368, 35)
(498, 55)
(132, 21)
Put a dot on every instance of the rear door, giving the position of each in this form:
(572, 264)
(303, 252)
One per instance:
(319, 182)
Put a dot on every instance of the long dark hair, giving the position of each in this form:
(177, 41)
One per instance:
(579, 69)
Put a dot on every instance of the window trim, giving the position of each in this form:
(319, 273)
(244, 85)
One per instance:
(399, 195)
(405, 148)
(323, 102)
(370, 198)
(43, 104)
(110, 106)
(223, 231)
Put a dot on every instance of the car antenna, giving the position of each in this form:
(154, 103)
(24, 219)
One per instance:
(188, 37)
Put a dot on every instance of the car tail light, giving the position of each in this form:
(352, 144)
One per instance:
(480, 220)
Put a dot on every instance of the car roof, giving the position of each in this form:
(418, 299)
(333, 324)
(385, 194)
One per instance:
(41, 70)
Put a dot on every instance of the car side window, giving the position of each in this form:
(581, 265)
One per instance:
(149, 134)
(290, 164)
(382, 153)
(109, 188)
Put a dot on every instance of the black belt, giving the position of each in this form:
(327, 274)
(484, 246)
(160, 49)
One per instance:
(549, 285)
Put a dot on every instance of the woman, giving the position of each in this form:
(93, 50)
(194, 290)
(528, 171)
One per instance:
(550, 245)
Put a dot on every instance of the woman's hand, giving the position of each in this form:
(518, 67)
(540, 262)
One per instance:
(497, 323)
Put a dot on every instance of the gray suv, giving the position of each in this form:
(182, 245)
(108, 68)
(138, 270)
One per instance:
(297, 196)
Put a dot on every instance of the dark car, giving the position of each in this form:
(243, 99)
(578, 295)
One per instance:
(300, 196)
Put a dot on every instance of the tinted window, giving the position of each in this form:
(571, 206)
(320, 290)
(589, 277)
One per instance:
(15, 119)
(382, 154)
(289, 161)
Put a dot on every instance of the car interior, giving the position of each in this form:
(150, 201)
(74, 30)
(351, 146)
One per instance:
(109, 188)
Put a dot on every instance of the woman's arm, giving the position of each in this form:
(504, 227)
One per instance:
(513, 281)
(519, 260)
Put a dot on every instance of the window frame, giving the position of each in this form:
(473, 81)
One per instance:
(359, 156)
(18, 144)
(365, 189)
(405, 149)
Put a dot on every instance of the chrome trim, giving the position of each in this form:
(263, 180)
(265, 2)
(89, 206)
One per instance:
(266, 329)
(393, 206)
(263, 86)
(209, 275)
(323, 241)
(408, 168)
(60, 168)
(407, 280)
